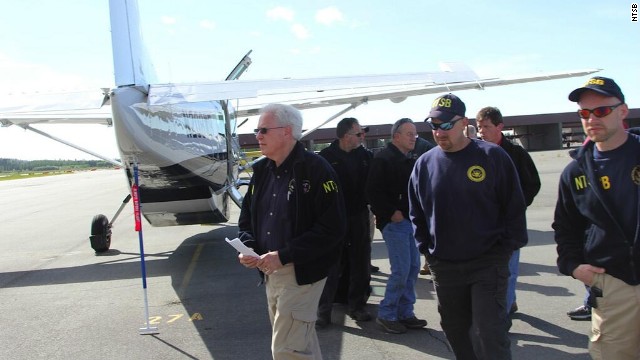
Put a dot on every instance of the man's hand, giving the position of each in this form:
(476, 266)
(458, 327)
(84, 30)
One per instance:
(269, 262)
(248, 261)
(585, 272)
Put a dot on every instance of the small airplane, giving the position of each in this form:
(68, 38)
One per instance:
(573, 137)
(182, 137)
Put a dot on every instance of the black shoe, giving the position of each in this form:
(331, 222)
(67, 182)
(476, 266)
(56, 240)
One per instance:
(393, 327)
(373, 269)
(580, 313)
(322, 322)
(413, 323)
(360, 315)
(514, 308)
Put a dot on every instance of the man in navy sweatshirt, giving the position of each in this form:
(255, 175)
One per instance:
(468, 214)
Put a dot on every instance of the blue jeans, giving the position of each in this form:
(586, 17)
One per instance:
(513, 279)
(400, 295)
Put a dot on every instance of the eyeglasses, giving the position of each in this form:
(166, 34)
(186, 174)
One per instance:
(600, 111)
(264, 130)
(443, 126)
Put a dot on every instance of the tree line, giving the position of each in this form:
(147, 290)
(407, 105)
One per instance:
(11, 165)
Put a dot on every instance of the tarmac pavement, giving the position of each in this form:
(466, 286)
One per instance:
(58, 299)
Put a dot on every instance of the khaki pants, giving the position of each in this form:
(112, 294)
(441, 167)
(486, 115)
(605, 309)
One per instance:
(615, 323)
(292, 310)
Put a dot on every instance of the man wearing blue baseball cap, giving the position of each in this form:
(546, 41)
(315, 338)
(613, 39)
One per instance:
(596, 220)
(468, 215)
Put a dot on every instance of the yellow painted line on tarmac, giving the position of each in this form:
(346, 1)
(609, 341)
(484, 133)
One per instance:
(192, 265)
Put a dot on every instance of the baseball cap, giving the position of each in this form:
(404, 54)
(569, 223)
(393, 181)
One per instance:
(446, 107)
(599, 84)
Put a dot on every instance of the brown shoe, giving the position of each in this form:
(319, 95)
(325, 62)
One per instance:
(425, 270)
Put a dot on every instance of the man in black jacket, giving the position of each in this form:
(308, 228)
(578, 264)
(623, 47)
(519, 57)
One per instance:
(351, 162)
(386, 190)
(490, 125)
(596, 220)
(293, 216)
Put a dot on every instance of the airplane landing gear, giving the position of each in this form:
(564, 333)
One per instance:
(100, 237)
(100, 233)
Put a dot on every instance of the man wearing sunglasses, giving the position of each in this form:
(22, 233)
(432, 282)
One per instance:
(596, 220)
(490, 125)
(468, 214)
(293, 216)
(351, 162)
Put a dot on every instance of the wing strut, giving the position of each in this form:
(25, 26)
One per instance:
(240, 68)
(27, 127)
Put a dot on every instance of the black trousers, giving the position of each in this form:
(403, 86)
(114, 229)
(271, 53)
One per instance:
(472, 305)
(353, 267)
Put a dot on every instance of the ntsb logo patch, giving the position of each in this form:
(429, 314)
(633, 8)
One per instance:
(476, 173)
(635, 175)
(594, 81)
(441, 101)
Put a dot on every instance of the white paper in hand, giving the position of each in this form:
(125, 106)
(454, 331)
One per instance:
(241, 248)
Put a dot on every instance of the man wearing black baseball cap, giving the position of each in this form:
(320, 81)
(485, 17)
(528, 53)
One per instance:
(446, 107)
(601, 85)
(468, 215)
(596, 220)
(446, 111)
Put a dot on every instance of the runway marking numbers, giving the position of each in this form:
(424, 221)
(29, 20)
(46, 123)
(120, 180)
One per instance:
(155, 320)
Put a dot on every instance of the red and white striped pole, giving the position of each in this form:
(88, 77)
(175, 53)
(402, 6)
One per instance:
(135, 194)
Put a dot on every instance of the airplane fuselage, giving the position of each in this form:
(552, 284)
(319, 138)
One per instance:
(182, 156)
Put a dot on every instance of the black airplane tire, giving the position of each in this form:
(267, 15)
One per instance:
(100, 234)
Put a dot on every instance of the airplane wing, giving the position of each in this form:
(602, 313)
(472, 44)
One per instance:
(62, 107)
(86, 107)
(330, 91)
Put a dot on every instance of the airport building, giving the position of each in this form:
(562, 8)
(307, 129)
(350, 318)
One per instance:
(534, 132)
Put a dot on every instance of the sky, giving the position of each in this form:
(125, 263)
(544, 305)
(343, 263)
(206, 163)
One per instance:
(66, 45)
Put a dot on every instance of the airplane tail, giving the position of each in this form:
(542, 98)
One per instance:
(131, 62)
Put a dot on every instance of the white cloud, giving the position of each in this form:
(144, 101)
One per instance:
(280, 13)
(168, 20)
(328, 16)
(299, 31)
(207, 24)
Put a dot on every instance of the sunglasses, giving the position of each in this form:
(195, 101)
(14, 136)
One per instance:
(264, 130)
(600, 111)
(443, 126)
(358, 134)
